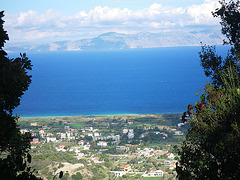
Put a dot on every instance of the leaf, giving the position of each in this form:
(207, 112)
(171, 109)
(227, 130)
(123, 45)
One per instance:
(202, 97)
(196, 103)
(238, 91)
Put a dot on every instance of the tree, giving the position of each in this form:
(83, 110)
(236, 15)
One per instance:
(212, 146)
(88, 138)
(214, 64)
(14, 146)
(77, 176)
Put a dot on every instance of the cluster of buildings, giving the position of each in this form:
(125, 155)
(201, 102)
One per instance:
(46, 135)
(70, 134)
(128, 132)
(127, 169)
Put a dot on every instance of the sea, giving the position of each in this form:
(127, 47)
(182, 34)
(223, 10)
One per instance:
(135, 81)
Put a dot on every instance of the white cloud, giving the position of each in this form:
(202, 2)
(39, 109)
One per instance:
(52, 24)
(202, 14)
(31, 19)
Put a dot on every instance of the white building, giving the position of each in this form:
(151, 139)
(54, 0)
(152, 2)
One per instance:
(130, 135)
(157, 173)
(89, 128)
(178, 133)
(41, 133)
(61, 148)
(122, 148)
(96, 160)
(81, 142)
(102, 143)
(170, 156)
(75, 149)
(125, 131)
(90, 134)
(63, 135)
(86, 147)
(117, 138)
(68, 134)
(34, 124)
(97, 134)
(146, 152)
(51, 139)
(71, 138)
(23, 131)
(119, 173)
(130, 130)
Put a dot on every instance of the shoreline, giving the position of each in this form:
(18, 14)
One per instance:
(96, 115)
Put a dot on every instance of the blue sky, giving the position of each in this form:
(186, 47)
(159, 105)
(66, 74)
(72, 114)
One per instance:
(55, 20)
(71, 7)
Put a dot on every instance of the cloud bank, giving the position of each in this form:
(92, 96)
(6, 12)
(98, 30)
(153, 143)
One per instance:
(53, 25)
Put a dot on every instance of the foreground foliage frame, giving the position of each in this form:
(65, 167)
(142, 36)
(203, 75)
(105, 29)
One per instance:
(212, 146)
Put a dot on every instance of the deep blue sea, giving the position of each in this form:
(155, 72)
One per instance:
(140, 81)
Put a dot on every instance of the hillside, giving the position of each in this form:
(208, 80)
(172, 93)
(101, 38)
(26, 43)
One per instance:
(117, 41)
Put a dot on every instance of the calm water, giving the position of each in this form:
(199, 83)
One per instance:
(162, 80)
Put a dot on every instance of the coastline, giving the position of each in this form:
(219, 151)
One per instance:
(96, 115)
(85, 118)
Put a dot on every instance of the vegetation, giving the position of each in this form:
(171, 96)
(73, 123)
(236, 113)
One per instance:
(14, 146)
(98, 162)
(77, 176)
(211, 149)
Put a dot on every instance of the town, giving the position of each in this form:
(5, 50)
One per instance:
(106, 147)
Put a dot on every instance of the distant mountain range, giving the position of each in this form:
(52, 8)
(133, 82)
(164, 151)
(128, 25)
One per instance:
(116, 41)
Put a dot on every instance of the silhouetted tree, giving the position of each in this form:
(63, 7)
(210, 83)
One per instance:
(212, 146)
(14, 146)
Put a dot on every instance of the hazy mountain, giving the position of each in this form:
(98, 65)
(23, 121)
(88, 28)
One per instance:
(116, 41)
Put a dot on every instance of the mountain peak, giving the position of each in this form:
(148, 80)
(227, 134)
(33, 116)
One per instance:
(108, 34)
(116, 41)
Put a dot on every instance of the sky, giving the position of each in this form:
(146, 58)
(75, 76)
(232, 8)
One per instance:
(57, 20)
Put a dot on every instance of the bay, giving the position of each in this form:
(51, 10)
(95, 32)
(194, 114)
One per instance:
(138, 81)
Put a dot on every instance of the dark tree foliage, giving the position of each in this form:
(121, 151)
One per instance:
(14, 146)
(213, 64)
(212, 146)
(229, 14)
